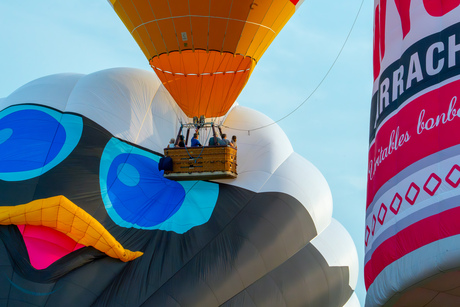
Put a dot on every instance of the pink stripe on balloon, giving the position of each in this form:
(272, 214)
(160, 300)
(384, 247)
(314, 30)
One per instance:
(426, 231)
(46, 245)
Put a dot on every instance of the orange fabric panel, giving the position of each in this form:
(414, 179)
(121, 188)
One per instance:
(156, 38)
(200, 7)
(233, 35)
(200, 32)
(241, 26)
(220, 8)
(179, 8)
(217, 29)
(144, 38)
(203, 83)
(63, 215)
(183, 25)
(168, 34)
(240, 9)
(159, 7)
(204, 36)
(144, 11)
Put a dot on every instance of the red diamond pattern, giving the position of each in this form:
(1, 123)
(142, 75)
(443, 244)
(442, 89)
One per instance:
(449, 176)
(429, 183)
(397, 200)
(374, 222)
(368, 232)
(380, 217)
(412, 187)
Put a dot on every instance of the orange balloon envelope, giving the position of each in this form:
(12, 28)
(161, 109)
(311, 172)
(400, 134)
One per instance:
(204, 51)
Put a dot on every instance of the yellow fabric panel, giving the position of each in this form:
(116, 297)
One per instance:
(264, 13)
(262, 38)
(143, 39)
(123, 16)
(155, 37)
(278, 7)
(131, 12)
(129, 25)
(146, 29)
(283, 17)
(233, 35)
(265, 35)
(279, 23)
(63, 215)
(259, 10)
(275, 19)
(246, 38)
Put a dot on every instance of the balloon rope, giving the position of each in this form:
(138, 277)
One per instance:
(316, 88)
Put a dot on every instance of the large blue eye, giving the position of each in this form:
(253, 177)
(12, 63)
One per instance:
(35, 139)
(137, 195)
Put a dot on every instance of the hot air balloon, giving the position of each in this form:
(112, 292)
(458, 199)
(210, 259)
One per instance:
(87, 219)
(412, 234)
(204, 51)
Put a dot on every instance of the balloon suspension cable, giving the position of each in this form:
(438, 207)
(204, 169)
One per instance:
(317, 87)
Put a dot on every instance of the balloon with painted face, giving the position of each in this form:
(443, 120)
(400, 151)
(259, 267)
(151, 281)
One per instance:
(88, 219)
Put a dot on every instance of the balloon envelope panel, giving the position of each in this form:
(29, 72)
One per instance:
(411, 234)
(266, 238)
(204, 51)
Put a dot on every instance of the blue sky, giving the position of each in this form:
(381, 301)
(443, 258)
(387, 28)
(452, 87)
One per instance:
(330, 129)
